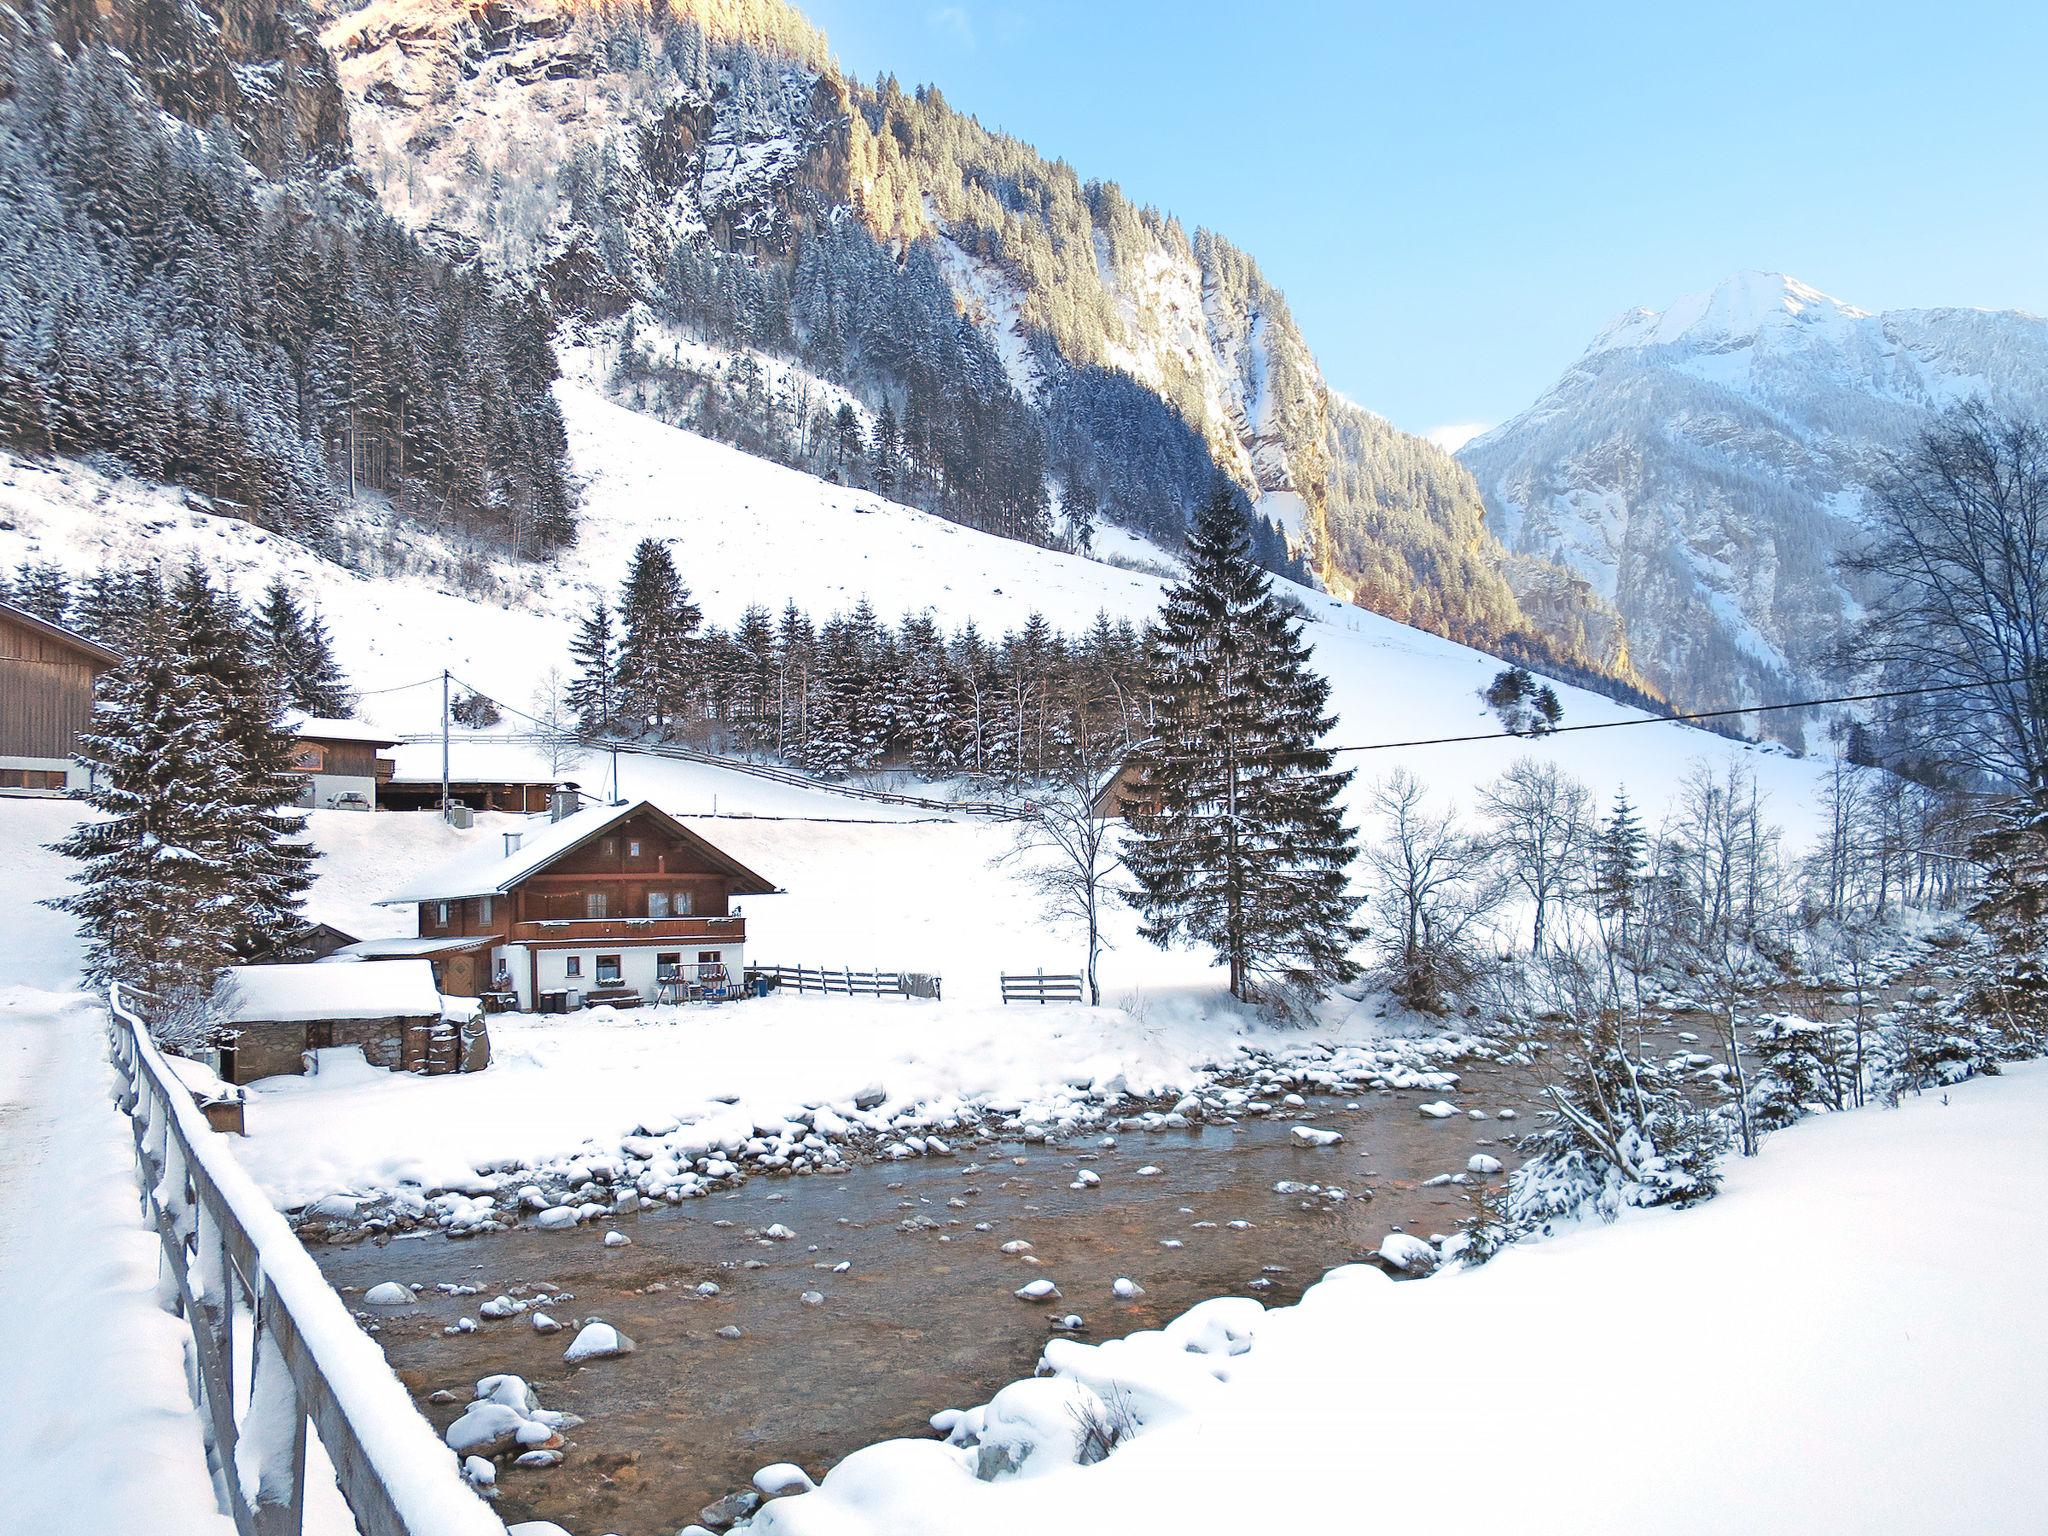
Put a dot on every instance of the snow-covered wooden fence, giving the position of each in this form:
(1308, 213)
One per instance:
(847, 981)
(1038, 987)
(236, 1272)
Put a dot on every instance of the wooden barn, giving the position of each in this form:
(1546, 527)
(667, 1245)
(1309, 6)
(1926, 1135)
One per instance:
(47, 674)
(617, 904)
(1126, 791)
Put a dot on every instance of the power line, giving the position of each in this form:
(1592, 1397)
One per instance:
(1678, 716)
(365, 693)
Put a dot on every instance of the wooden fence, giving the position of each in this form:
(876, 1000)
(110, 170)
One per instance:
(227, 1255)
(1038, 987)
(847, 981)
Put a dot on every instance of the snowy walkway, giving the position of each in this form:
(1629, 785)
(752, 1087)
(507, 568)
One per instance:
(1850, 1339)
(97, 1433)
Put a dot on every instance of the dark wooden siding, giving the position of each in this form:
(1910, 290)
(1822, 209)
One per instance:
(355, 758)
(45, 692)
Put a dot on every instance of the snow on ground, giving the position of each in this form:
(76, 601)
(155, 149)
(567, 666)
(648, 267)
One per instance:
(98, 1431)
(1849, 1339)
(867, 885)
(745, 531)
(554, 1085)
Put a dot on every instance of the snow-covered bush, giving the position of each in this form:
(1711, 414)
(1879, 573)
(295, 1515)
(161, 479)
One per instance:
(1804, 1066)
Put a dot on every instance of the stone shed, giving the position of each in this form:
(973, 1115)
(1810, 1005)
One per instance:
(392, 1011)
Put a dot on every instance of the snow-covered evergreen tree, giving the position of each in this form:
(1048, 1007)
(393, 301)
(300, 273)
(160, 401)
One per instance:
(594, 681)
(1929, 1042)
(43, 589)
(658, 624)
(1247, 851)
(299, 655)
(1803, 1066)
(273, 861)
(161, 877)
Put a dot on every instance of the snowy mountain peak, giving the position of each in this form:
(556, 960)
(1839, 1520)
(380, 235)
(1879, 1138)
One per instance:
(1734, 312)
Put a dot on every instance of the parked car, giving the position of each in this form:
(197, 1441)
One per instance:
(349, 800)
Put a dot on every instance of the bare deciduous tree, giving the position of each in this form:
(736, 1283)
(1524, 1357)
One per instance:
(1959, 563)
(1543, 827)
(1066, 851)
(1434, 885)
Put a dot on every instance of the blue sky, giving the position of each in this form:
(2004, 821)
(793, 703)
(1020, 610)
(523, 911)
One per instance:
(1456, 197)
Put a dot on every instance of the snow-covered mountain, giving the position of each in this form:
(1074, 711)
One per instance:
(757, 241)
(1705, 466)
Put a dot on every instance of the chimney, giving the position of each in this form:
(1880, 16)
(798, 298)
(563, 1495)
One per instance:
(567, 800)
(511, 843)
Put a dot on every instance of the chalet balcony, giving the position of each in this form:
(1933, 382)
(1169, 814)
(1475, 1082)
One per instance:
(631, 930)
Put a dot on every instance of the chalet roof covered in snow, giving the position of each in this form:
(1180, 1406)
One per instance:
(490, 869)
(405, 949)
(71, 638)
(323, 728)
(297, 993)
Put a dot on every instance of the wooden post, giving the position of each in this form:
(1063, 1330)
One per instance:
(275, 1437)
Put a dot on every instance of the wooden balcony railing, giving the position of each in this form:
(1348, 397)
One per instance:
(631, 930)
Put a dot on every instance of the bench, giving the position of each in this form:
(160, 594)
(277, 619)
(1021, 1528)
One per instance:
(613, 997)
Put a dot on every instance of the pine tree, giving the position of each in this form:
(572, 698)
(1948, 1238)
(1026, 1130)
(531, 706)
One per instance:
(44, 590)
(1618, 863)
(1247, 851)
(299, 655)
(1802, 1066)
(111, 606)
(658, 625)
(273, 861)
(160, 905)
(2009, 996)
(593, 684)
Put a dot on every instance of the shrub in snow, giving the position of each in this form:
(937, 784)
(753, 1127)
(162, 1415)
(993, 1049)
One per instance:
(1930, 1045)
(1619, 1133)
(1803, 1066)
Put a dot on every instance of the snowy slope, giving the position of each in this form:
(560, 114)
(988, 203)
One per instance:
(743, 531)
(1704, 466)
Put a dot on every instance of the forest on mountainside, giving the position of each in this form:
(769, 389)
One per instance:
(272, 341)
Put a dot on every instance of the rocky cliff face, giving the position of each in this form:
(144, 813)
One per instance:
(703, 166)
(1704, 467)
(256, 64)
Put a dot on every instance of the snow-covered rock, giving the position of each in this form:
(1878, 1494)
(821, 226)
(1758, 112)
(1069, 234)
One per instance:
(597, 1341)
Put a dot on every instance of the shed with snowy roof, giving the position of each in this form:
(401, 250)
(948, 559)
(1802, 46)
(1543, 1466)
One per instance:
(279, 1015)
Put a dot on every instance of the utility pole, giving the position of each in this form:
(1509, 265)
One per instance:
(447, 810)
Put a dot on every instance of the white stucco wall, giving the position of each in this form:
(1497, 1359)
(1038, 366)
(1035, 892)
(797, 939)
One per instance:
(322, 789)
(636, 965)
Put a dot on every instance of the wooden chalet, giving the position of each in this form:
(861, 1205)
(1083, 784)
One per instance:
(606, 904)
(47, 673)
(340, 762)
